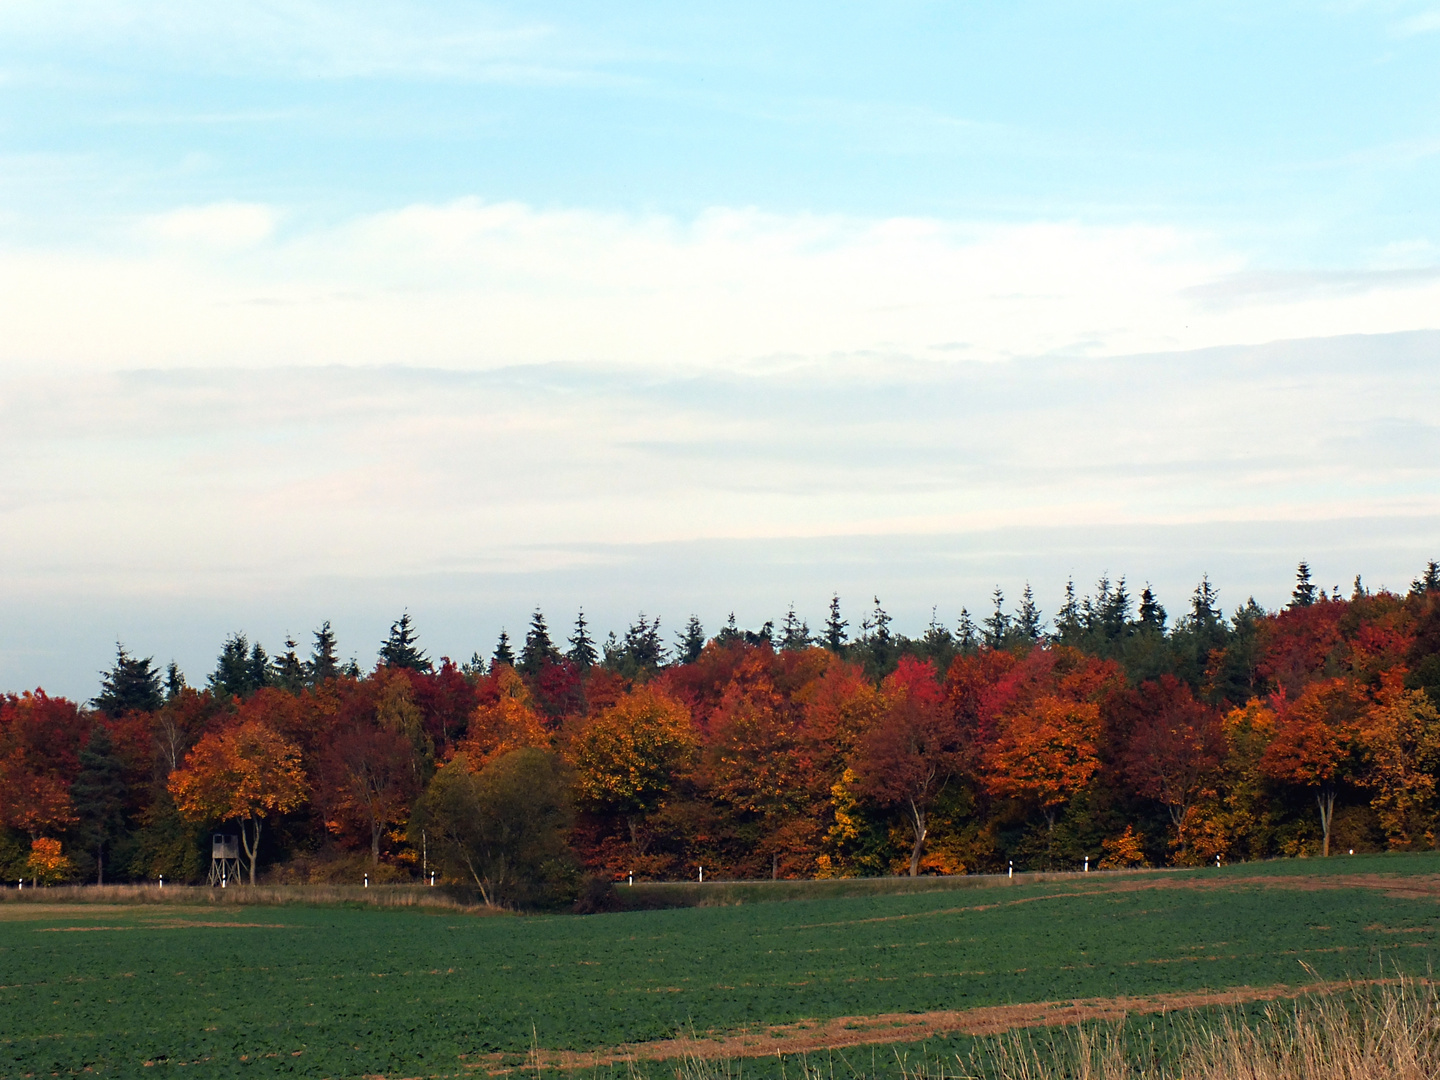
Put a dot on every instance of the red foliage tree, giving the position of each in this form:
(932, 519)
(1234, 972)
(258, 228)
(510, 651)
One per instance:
(365, 782)
(1175, 746)
(913, 751)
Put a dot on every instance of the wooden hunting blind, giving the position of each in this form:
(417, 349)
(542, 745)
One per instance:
(224, 858)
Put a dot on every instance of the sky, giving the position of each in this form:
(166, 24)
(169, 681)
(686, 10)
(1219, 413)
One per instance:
(319, 311)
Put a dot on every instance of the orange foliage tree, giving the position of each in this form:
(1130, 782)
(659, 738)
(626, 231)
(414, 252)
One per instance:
(244, 773)
(1044, 753)
(508, 723)
(1313, 742)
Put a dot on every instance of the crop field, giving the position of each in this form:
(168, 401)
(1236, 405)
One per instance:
(351, 990)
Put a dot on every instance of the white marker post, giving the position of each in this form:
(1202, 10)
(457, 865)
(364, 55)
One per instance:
(432, 879)
(1087, 864)
(702, 875)
(1012, 868)
(162, 881)
(632, 877)
(367, 881)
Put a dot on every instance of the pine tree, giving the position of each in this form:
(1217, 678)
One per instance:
(794, 632)
(833, 636)
(538, 650)
(1205, 604)
(98, 797)
(174, 681)
(130, 686)
(1359, 592)
(1027, 620)
(582, 646)
(503, 654)
(233, 675)
(876, 627)
(288, 672)
(997, 626)
(967, 634)
(643, 645)
(258, 667)
(1304, 594)
(1067, 619)
(729, 633)
(1429, 581)
(400, 649)
(692, 642)
(1115, 612)
(324, 663)
(1152, 615)
(473, 668)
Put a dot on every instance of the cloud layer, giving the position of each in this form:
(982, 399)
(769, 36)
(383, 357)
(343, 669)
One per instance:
(473, 285)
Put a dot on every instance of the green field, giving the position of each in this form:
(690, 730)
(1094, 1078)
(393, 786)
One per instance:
(357, 990)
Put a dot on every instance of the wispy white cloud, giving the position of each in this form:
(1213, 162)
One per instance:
(1426, 22)
(309, 38)
(471, 284)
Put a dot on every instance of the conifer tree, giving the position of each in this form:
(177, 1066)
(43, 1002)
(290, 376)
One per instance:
(1152, 615)
(794, 632)
(132, 685)
(1304, 594)
(1205, 604)
(997, 626)
(289, 670)
(582, 646)
(98, 797)
(234, 675)
(967, 634)
(324, 662)
(174, 681)
(691, 643)
(538, 650)
(400, 650)
(503, 654)
(1027, 619)
(835, 626)
(1429, 581)
(1067, 619)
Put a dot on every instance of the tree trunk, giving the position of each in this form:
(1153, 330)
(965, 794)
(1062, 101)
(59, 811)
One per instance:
(376, 828)
(252, 848)
(99, 866)
(917, 824)
(1326, 799)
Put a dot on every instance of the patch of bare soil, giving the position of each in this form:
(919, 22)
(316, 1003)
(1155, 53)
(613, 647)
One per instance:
(168, 924)
(810, 1036)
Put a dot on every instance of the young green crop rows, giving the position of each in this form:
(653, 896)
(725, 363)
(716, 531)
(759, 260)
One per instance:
(347, 991)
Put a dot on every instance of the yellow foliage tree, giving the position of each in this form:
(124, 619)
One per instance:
(1400, 735)
(46, 865)
(245, 773)
(629, 757)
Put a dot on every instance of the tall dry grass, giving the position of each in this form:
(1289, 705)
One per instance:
(1389, 1031)
(1361, 1031)
(408, 895)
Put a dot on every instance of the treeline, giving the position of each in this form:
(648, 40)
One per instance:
(1110, 732)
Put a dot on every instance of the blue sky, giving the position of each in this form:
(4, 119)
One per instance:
(320, 310)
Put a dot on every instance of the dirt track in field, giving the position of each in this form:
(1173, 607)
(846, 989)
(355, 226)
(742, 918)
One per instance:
(847, 1031)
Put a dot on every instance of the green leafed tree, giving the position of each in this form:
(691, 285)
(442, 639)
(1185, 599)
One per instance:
(503, 829)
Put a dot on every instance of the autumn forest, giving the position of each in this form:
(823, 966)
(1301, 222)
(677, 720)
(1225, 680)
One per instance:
(1114, 731)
